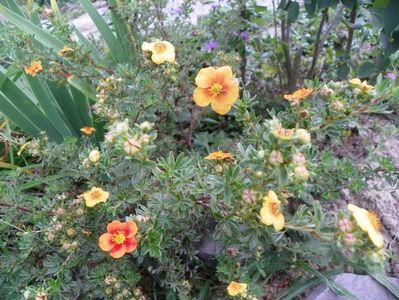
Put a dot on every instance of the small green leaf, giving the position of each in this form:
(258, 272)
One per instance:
(293, 11)
(365, 70)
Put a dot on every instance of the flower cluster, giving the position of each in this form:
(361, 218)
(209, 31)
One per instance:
(131, 141)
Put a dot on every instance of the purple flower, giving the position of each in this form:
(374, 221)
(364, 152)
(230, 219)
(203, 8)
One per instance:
(391, 76)
(211, 45)
(178, 10)
(244, 35)
(214, 6)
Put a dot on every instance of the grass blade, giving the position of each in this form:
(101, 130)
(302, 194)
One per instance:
(115, 48)
(40, 181)
(339, 290)
(30, 28)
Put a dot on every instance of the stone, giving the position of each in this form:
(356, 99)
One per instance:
(363, 287)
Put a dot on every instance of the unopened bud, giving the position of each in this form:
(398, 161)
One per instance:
(303, 135)
(94, 156)
(345, 225)
(298, 159)
(301, 173)
(337, 106)
(276, 158)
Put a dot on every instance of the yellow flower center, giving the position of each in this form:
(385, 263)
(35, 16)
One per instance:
(119, 238)
(96, 195)
(159, 48)
(216, 89)
(274, 208)
(374, 220)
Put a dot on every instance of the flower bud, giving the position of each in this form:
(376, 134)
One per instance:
(71, 232)
(260, 154)
(94, 156)
(326, 91)
(146, 126)
(345, 225)
(298, 159)
(303, 135)
(301, 173)
(131, 146)
(276, 158)
(249, 196)
(337, 106)
(349, 239)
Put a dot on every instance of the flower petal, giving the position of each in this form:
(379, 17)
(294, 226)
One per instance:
(105, 242)
(376, 237)
(279, 222)
(224, 74)
(118, 251)
(130, 244)
(266, 216)
(130, 229)
(221, 108)
(147, 46)
(115, 226)
(90, 202)
(205, 77)
(201, 97)
(230, 93)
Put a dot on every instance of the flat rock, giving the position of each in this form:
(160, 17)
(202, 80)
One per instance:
(363, 287)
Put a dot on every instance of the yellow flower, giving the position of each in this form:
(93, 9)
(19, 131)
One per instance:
(87, 130)
(217, 87)
(34, 68)
(298, 95)
(362, 86)
(65, 51)
(368, 222)
(283, 133)
(270, 212)
(95, 196)
(236, 288)
(220, 155)
(161, 51)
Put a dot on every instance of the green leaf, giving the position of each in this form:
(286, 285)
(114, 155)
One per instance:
(391, 17)
(26, 106)
(366, 69)
(115, 48)
(349, 3)
(38, 182)
(293, 11)
(121, 27)
(301, 286)
(49, 105)
(380, 3)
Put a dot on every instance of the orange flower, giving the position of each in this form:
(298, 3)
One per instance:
(119, 238)
(87, 130)
(34, 68)
(298, 95)
(220, 155)
(217, 87)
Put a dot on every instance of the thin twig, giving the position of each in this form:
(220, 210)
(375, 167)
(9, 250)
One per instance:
(317, 43)
(352, 19)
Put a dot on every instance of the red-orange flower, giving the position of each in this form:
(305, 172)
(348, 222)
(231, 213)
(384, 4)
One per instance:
(119, 238)
(217, 87)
